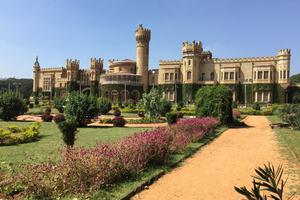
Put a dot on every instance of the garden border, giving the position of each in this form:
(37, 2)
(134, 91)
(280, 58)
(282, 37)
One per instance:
(155, 177)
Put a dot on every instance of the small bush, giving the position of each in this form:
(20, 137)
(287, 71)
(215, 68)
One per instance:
(296, 98)
(68, 129)
(30, 105)
(146, 120)
(106, 121)
(118, 121)
(47, 117)
(141, 114)
(179, 114)
(11, 106)
(104, 105)
(165, 107)
(291, 115)
(171, 118)
(59, 118)
(59, 103)
(117, 112)
(236, 114)
(256, 106)
(47, 111)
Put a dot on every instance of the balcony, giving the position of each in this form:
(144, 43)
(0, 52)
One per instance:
(121, 78)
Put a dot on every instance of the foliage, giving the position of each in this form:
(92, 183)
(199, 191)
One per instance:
(117, 112)
(81, 107)
(11, 106)
(165, 106)
(171, 117)
(104, 105)
(295, 79)
(59, 118)
(256, 106)
(179, 114)
(268, 180)
(118, 121)
(47, 117)
(84, 170)
(59, 103)
(68, 128)
(11, 135)
(236, 114)
(296, 98)
(141, 114)
(215, 101)
(154, 103)
(291, 115)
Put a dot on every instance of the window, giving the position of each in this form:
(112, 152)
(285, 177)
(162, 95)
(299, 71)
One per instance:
(171, 76)
(255, 75)
(271, 75)
(284, 74)
(280, 74)
(176, 76)
(259, 96)
(231, 75)
(266, 74)
(265, 96)
(189, 75)
(225, 75)
(166, 76)
(47, 84)
(212, 76)
(189, 62)
(171, 96)
(203, 76)
(259, 75)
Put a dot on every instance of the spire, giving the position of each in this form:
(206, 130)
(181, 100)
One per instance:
(36, 64)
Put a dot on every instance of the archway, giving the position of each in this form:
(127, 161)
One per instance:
(114, 96)
(124, 95)
(86, 91)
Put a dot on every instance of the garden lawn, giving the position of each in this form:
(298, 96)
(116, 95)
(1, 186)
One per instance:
(50, 143)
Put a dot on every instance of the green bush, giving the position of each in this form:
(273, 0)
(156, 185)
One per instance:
(11, 106)
(171, 117)
(59, 103)
(11, 135)
(291, 115)
(256, 106)
(81, 107)
(68, 129)
(165, 107)
(215, 101)
(104, 105)
(146, 120)
(118, 121)
(296, 98)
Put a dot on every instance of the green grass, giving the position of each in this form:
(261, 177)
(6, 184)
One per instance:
(290, 142)
(50, 143)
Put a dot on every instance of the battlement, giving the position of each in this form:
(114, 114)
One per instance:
(194, 46)
(170, 62)
(70, 62)
(250, 59)
(142, 34)
(95, 60)
(52, 69)
(282, 52)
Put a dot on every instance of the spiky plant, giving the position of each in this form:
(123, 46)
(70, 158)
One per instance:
(267, 179)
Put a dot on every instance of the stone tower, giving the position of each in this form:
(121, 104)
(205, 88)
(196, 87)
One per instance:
(36, 72)
(142, 36)
(283, 66)
(95, 72)
(72, 70)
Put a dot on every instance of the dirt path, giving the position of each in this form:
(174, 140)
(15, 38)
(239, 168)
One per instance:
(227, 162)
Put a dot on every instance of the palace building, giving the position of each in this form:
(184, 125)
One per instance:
(253, 79)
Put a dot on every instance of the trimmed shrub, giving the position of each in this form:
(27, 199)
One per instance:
(68, 129)
(118, 121)
(47, 117)
(30, 105)
(117, 112)
(165, 107)
(104, 105)
(256, 106)
(179, 114)
(11, 106)
(215, 101)
(145, 120)
(59, 118)
(106, 121)
(59, 103)
(236, 114)
(141, 114)
(11, 135)
(291, 115)
(81, 107)
(171, 118)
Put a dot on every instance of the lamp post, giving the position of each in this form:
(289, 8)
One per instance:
(125, 92)
(153, 78)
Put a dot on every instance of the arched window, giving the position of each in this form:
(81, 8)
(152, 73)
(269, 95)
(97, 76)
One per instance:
(189, 62)
(189, 75)
(212, 76)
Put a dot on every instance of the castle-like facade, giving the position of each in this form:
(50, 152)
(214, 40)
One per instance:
(255, 79)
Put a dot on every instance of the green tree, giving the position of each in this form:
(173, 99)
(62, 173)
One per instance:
(59, 103)
(296, 98)
(11, 105)
(81, 107)
(215, 101)
(153, 103)
(104, 105)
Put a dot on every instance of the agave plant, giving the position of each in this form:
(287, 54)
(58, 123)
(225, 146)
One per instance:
(267, 179)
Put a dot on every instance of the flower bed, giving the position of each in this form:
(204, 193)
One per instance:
(11, 135)
(83, 171)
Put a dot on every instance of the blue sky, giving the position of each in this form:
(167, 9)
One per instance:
(59, 29)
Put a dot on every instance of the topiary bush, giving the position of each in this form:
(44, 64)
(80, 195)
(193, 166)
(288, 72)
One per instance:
(81, 107)
(117, 112)
(215, 101)
(59, 118)
(256, 106)
(68, 128)
(47, 117)
(104, 105)
(171, 117)
(11, 106)
(118, 121)
(59, 103)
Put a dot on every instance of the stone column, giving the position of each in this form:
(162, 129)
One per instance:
(255, 96)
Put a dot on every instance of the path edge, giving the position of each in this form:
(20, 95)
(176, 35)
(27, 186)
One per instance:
(155, 177)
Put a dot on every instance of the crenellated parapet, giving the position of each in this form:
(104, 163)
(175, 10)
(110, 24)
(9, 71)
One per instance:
(192, 47)
(250, 59)
(142, 35)
(170, 62)
(44, 69)
(96, 63)
(284, 52)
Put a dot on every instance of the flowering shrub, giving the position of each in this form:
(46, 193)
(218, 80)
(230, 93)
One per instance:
(85, 170)
(15, 135)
